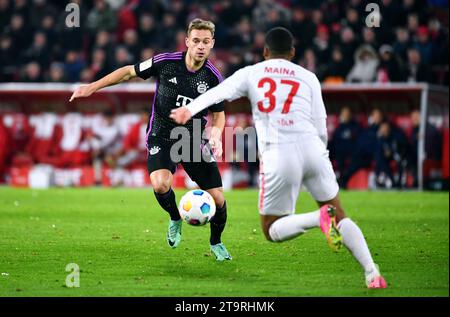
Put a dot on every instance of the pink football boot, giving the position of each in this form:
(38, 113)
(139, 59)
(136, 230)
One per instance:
(329, 227)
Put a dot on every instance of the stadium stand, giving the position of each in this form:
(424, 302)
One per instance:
(331, 38)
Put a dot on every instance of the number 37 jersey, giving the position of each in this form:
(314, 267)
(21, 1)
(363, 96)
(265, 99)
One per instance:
(286, 99)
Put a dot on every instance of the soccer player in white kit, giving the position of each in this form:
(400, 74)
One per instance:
(290, 121)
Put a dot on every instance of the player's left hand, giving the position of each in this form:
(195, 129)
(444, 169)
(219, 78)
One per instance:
(216, 146)
(181, 115)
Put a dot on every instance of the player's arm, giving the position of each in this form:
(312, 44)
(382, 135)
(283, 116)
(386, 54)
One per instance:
(230, 89)
(119, 75)
(319, 112)
(215, 139)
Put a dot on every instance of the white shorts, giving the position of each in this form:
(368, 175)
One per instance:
(285, 167)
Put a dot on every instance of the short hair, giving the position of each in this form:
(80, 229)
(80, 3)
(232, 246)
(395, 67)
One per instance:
(279, 41)
(199, 24)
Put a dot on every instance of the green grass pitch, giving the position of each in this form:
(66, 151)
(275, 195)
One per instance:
(117, 238)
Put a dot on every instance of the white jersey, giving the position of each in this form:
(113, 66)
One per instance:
(289, 114)
(286, 100)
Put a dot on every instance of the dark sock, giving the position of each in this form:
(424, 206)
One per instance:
(168, 203)
(218, 224)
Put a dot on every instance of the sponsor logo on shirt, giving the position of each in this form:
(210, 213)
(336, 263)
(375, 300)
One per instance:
(183, 101)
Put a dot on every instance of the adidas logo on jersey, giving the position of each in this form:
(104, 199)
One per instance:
(173, 80)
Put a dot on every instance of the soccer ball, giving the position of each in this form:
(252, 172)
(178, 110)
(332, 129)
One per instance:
(197, 207)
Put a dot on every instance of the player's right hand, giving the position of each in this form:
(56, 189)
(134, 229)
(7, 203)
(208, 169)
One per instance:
(82, 91)
(181, 115)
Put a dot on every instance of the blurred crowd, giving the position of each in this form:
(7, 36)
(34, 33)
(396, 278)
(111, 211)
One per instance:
(380, 144)
(384, 145)
(73, 140)
(332, 38)
(104, 141)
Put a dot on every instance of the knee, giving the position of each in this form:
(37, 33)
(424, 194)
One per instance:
(266, 231)
(217, 195)
(160, 184)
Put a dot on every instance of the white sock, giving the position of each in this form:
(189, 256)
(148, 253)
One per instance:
(289, 227)
(353, 239)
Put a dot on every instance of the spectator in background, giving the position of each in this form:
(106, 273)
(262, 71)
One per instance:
(236, 62)
(56, 73)
(246, 7)
(101, 17)
(73, 66)
(242, 34)
(433, 144)
(133, 151)
(179, 10)
(423, 45)
(369, 38)
(131, 43)
(148, 31)
(353, 20)
(337, 68)
(122, 57)
(416, 71)
(147, 53)
(309, 61)
(349, 44)
(302, 28)
(103, 41)
(7, 58)
(321, 44)
(256, 49)
(126, 19)
(99, 65)
(87, 76)
(266, 12)
(38, 51)
(168, 33)
(5, 13)
(413, 23)
(390, 68)
(19, 32)
(402, 43)
(439, 39)
(48, 27)
(389, 10)
(408, 8)
(180, 41)
(32, 73)
(320, 26)
(103, 141)
(343, 141)
(21, 8)
(390, 149)
(365, 148)
(365, 67)
(40, 8)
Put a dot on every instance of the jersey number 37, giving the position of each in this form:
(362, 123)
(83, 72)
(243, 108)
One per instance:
(269, 83)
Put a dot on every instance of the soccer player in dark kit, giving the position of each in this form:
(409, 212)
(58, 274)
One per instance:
(181, 77)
